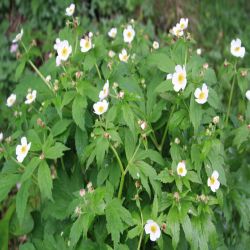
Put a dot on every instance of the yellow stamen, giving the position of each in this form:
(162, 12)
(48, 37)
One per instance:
(212, 180)
(153, 229)
(64, 51)
(100, 109)
(202, 95)
(180, 78)
(23, 149)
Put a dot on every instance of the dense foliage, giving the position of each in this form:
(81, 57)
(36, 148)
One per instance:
(123, 141)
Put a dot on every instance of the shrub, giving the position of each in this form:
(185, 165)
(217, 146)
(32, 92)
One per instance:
(122, 141)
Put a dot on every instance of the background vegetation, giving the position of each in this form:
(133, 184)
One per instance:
(213, 25)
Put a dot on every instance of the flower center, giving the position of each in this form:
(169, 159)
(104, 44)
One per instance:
(212, 180)
(64, 51)
(237, 49)
(182, 25)
(181, 170)
(30, 97)
(180, 78)
(100, 109)
(23, 149)
(87, 44)
(129, 34)
(202, 95)
(153, 229)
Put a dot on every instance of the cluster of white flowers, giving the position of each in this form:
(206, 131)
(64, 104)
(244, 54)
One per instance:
(102, 106)
(30, 97)
(63, 49)
(22, 149)
(178, 29)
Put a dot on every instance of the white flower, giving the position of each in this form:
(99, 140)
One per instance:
(105, 91)
(213, 182)
(177, 30)
(179, 79)
(248, 95)
(123, 56)
(177, 140)
(153, 229)
(111, 53)
(198, 51)
(18, 37)
(1, 137)
(70, 10)
(156, 45)
(201, 95)
(181, 168)
(236, 49)
(183, 23)
(23, 149)
(11, 100)
(48, 78)
(30, 97)
(63, 50)
(100, 107)
(86, 44)
(128, 34)
(216, 120)
(112, 33)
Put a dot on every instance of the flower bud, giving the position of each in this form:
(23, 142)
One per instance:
(216, 120)
(82, 192)
(177, 140)
(205, 66)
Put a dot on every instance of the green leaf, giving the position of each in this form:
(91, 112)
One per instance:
(60, 126)
(164, 86)
(7, 181)
(81, 141)
(78, 111)
(155, 207)
(45, 180)
(30, 168)
(19, 70)
(55, 151)
(174, 225)
(192, 176)
(128, 117)
(102, 146)
(187, 228)
(134, 232)
(67, 98)
(21, 200)
(162, 61)
(210, 76)
(213, 99)
(165, 177)
(80, 227)
(118, 218)
(195, 113)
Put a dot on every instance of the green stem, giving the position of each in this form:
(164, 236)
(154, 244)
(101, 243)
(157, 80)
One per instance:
(166, 129)
(98, 71)
(231, 95)
(118, 158)
(121, 186)
(36, 69)
(140, 240)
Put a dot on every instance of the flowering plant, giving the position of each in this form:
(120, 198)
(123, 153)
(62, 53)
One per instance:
(125, 141)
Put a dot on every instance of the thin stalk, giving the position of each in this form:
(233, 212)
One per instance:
(231, 95)
(98, 71)
(166, 129)
(121, 186)
(36, 69)
(118, 158)
(140, 240)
